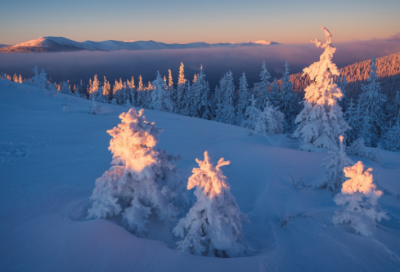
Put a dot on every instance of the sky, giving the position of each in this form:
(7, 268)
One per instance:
(183, 21)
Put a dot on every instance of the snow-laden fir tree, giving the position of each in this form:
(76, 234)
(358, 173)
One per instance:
(201, 106)
(106, 90)
(213, 226)
(180, 92)
(391, 139)
(93, 89)
(321, 121)
(39, 79)
(251, 115)
(118, 92)
(243, 99)
(342, 83)
(160, 99)
(372, 105)
(65, 89)
(218, 100)
(274, 94)
(228, 115)
(334, 164)
(287, 101)
(261, 89)
(359, 199)
(270, 120)
(186, 105)
(142, 180)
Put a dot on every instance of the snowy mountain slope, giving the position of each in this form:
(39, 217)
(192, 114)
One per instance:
(60, 44)
(3, 45)
(50, 158)
(357, 74)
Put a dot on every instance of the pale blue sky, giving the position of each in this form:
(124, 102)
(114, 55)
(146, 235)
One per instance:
(185, 21)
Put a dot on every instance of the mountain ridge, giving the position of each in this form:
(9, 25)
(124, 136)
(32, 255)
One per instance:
(61, 44)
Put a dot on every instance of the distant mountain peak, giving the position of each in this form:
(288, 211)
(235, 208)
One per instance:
(61, 44)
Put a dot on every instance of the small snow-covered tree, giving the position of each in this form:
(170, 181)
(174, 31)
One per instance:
(321, 121)
(243, 99)
(334, 176)
(359, 199)
(142, 179)
(160, 99)
(261, 88)
(39, 79)
(372, 105)
(251, 115)
(106, 89)
(181, 89)
(65, 89)
(213, 226)
(357, 148)
(94, 87)
(269, 121)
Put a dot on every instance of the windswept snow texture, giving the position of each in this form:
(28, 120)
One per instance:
(50, 160)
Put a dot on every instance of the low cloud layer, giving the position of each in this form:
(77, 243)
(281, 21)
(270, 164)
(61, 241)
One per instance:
(83, 65)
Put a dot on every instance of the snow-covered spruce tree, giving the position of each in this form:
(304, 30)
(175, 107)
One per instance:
(334, 176)
(228, 115)
(261, 88)
(391, 139)
(142, 179)
(274, 94)
(372, 105)
(213, 226)
(94, 88)
(342, 83)
(251, 115)
(118, 93)
(218, 104)
(39, 80)
(269, 121)
(352, 117)
(187, 104)
(243, 99)
(321, 121)
(288, 101)
(359, 199)
(180, 92)
(160, 99)
(106, 90)
(201, 102)
(65, 89)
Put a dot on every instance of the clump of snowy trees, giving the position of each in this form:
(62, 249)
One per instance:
(142, 183)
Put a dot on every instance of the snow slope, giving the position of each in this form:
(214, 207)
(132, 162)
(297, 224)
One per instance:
(60, 44)
(49, 160)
